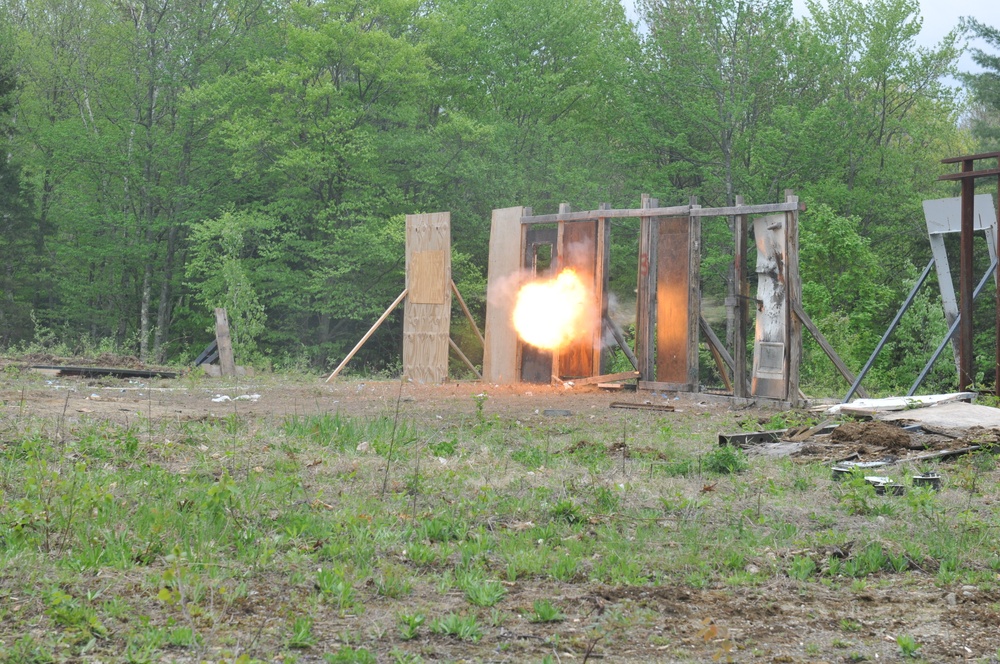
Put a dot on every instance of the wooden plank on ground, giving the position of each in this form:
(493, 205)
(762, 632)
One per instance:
(427, 321)
(607, 378)
(668, 387)
(500, 351)
(631, 405)
(227, 362)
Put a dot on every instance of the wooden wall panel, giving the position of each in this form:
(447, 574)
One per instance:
(536, 364)
(579, 252)
(427, 317)
(673, 300)
(500, 356)
(770, 351)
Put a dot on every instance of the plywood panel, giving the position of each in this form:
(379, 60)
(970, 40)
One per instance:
(503, 280)
(427, 319)
(426, 268)
(770, 352)
(673, 292)
(579, 253)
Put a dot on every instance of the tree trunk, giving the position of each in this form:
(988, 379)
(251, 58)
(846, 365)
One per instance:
(163, 312)
(147, 287)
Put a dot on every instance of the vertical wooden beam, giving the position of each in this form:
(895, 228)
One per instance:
(227, 363)
(966, 280)
(742, 298)
(996, 240)
(500, 354)
(694, 294)
(794, 297)
(645, 309)
(427, 315)
(579, 251)
(560, 263)
(601, 288)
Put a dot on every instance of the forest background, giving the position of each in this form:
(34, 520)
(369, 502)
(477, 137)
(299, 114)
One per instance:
(159, 158)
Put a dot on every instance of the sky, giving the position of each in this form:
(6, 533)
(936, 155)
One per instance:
(939, 16)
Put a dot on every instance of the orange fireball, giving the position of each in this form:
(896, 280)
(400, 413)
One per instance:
(550, 314)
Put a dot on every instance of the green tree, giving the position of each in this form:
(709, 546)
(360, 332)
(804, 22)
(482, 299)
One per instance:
(985, 86)
(20, 238)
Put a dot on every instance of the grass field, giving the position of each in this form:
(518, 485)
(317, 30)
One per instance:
(385, 522)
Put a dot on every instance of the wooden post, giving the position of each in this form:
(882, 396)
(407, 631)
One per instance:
(794, 292)
(645, 308)
(365, 338)
(227, 363)
(996, 235)
(560, 261)
(742, 298)
(601, 286)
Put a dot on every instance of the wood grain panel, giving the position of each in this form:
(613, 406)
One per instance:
(673, 292)
(579, 253)
(770, 356)
(426, 268)
(500, 355)
(427, 319)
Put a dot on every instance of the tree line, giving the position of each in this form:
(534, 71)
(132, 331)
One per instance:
(162, 157)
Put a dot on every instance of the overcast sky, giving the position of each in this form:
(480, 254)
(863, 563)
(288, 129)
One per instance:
(939, 16)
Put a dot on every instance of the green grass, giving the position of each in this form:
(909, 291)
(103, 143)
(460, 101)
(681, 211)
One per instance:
(153, 540)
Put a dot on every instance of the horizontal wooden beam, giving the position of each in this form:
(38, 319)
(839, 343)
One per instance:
(973, 157)
(767, 208)
(670, 387)
(675, 211)
(970, 174)
(606, 378)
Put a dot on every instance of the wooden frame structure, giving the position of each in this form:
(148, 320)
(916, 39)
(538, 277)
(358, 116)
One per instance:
(668, 306)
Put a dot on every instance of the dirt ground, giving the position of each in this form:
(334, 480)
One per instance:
(782, 620)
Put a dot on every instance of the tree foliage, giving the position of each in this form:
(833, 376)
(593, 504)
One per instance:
(165, 158)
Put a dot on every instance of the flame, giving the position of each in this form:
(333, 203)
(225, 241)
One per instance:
(551, 313)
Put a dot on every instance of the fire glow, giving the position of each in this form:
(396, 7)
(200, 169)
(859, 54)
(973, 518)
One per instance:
(550, 314)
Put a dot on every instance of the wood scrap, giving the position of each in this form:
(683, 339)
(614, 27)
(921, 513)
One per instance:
(641, 406)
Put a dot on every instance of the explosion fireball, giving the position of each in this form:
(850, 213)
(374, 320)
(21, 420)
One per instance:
(550, 314)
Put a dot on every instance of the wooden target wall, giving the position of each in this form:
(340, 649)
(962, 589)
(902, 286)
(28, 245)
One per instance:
(427, 315)
(669, 321)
